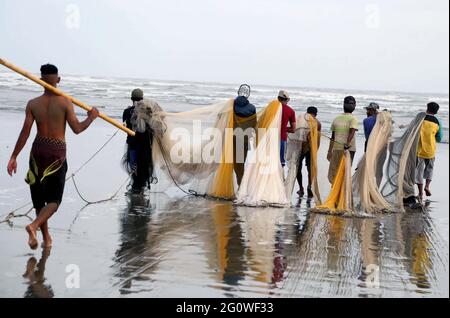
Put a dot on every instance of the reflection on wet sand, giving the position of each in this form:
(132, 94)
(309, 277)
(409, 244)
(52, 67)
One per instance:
(34, 273)
(261, 236)
(242, 251)
(133, 237)
(229, 248)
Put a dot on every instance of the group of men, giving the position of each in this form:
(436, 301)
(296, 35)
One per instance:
(48, 166)
(343, 129)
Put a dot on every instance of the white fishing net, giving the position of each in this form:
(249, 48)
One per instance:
(190, 150)
(194, 150)
(401, 165)
(368, 176)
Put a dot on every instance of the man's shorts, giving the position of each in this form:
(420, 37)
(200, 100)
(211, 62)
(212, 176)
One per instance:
(47, 173)
(424, 170)
(50, 190)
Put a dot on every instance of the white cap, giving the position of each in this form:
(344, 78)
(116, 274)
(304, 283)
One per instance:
(283, 94)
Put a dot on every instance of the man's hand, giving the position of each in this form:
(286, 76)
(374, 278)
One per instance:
(346, 147)
(93, 113)
(12, 166)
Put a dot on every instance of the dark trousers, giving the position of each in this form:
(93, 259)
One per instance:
(144, 161)
(239, 162)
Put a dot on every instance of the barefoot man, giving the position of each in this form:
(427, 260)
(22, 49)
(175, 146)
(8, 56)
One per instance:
(48, 165)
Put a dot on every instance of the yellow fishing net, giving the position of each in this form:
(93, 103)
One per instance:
(263, 184)
(314, 148)
(223, 184)
(340, 198)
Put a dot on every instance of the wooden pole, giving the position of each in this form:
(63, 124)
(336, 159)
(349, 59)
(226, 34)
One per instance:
(61, 93)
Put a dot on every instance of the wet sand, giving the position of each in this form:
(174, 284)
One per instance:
(170, 245)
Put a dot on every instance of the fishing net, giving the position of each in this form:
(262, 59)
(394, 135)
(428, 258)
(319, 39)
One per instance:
(263, 181)
(340, 199)
(197, 151)
(145, 122)
(305, 141)
(367, 178)
(401, 167)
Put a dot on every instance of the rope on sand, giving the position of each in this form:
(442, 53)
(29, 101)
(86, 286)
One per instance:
(12, 214)
(100, 201)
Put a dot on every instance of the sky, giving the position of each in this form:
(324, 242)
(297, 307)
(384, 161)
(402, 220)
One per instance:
(389, 45)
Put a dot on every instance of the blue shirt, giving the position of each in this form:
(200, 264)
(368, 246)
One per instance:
(369, 123)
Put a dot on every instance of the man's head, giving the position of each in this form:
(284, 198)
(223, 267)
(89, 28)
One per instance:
(432, 108)
(349, 104)
(372, 109)
(312, 111)
(137, 95)
(283, 97)
(49, 74)
(244, 90)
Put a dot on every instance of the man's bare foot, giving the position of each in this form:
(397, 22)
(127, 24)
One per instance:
(427, 192)
(32, 239)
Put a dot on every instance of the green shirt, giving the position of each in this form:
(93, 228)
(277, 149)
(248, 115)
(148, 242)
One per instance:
(341, 127)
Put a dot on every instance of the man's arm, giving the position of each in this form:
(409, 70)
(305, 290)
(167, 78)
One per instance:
(351, 135)
(439, 134)
(22, 140)
(77, 126)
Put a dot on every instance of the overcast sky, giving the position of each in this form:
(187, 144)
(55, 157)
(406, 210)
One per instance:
(398, 45)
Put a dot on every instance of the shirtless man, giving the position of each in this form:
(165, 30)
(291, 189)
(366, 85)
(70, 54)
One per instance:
(48, 165)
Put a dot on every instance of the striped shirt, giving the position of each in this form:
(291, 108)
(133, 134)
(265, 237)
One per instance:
(341, 127)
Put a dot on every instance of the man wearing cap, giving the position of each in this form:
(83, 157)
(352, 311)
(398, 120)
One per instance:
(287, 117)
(343, 130)
(370, 121)
(138, 158)
(244, 126)
(136, 96)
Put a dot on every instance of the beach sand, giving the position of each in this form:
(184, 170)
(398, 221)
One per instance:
(171, 245)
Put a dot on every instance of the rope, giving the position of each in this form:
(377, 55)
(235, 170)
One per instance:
(12, 214)
(100, 201)
(332, 140)
(95, 154)
(323, 135)
(189, 192)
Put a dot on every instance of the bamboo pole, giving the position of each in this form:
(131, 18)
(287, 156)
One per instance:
(61, 93)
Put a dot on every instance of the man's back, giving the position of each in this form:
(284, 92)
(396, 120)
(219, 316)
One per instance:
(287, 117)
(49, 112)
(341, 127)
(430, 132)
